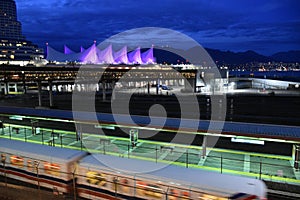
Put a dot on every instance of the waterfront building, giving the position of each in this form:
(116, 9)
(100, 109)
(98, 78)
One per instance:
(95, 55)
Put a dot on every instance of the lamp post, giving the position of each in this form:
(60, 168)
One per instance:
(24, 82)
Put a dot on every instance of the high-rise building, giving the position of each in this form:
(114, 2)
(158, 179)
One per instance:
(10, 27)
(13, 45)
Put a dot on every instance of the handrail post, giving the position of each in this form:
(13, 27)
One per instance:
(128, 148)
(25, 134)
(43, 138)
(156, 153)
(260, 169)
(61, 141)
(187, 159)
(221, 164)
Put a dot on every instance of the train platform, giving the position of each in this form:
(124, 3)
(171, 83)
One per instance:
(268, 167)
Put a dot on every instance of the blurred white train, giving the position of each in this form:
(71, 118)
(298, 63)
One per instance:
(92, 176)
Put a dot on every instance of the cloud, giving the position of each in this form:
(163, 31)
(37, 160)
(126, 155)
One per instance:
(217, 23)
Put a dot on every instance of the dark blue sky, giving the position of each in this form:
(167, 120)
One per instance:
(265, 26)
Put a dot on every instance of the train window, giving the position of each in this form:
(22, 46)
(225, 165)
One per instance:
(211, 197)
(52, 168)
(173, 194)
(148, 189)
(185, 195)
(123, 185)
(178, 194)
(96, 178)
(16, 161)
(3, 158)
(30, 165)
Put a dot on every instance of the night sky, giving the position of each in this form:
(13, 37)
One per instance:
(265, 26)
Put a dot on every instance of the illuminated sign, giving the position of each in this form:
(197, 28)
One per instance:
(16, 117)
(249, 141)
(105, 127)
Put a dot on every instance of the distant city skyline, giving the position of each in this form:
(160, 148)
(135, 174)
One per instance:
(265, 26)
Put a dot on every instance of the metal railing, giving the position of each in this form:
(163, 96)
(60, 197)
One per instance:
(259, 167)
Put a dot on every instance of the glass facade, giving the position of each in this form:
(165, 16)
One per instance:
(13, 45)
(10, 27)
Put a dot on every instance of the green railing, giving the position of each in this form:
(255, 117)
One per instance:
(260, 166)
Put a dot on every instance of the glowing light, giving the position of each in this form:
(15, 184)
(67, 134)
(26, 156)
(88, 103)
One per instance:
(106, 55)
(94, 55)
(90, 55)
(134, 57)
(67, 50)
(244, 140)
(82, 49)
(121, 56)
(147, 57)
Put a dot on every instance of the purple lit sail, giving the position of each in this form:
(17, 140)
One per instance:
(94, 55)
(147, 56)
(106, 55)
(67, 50)
(121, 56)
(134, 57)
(90, 55)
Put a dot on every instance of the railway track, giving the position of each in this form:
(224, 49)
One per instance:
(282, 195)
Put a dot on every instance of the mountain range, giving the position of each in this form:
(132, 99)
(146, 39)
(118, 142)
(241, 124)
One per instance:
(165, 55)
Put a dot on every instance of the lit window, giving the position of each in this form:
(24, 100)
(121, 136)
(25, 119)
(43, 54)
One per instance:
(148, 189)
(52, 168)
(16, 160)
(96, 178)
(30, 165)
